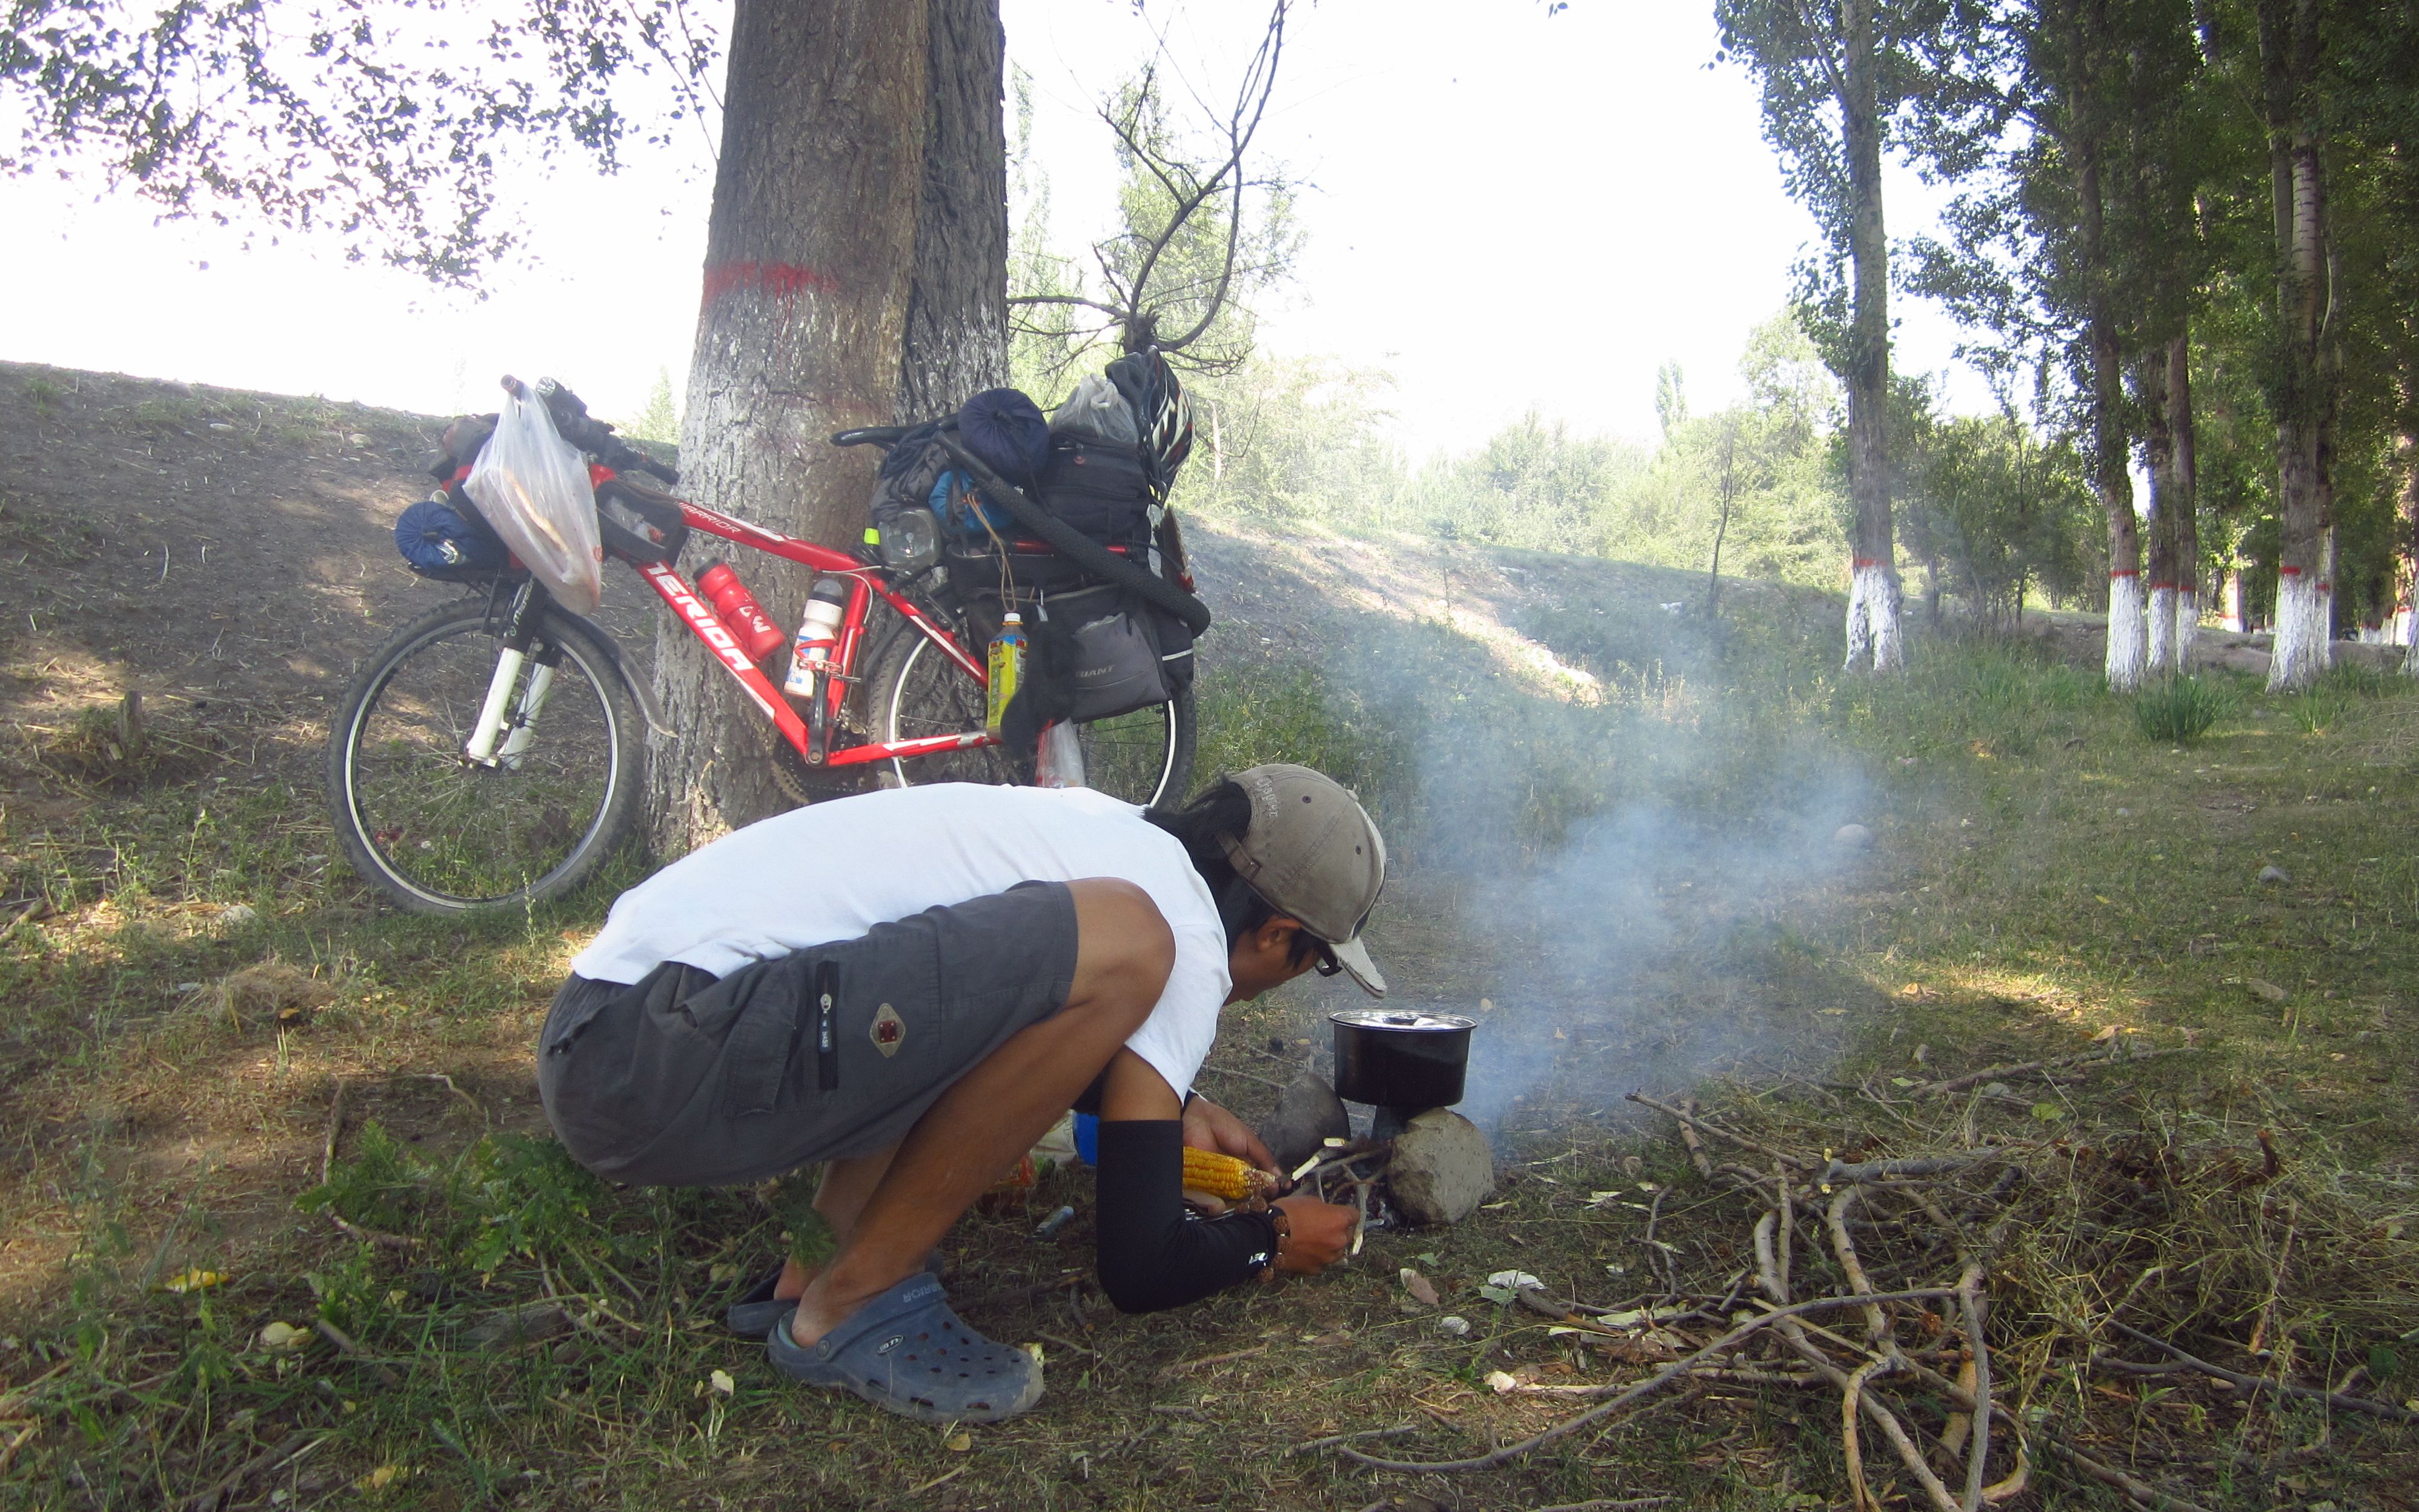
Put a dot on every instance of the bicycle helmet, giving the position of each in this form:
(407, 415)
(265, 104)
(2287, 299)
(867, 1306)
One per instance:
(1163, 413)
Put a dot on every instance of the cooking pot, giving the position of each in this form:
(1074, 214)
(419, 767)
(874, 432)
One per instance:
(1395, 1058)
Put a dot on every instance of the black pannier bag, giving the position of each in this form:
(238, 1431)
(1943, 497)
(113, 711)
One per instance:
(1100, 487)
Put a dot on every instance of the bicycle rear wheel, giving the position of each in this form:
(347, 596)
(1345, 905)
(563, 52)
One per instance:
(1145, 757)
(443, 834)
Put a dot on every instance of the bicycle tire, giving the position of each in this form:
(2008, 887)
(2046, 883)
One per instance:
(440, 835)
(1142, 758)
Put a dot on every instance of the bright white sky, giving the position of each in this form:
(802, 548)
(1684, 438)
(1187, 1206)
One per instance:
(1511, 211)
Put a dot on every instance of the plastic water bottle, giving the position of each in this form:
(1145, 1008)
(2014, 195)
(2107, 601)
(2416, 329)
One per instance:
(1006, 669)
(741, 614)
(818, 635)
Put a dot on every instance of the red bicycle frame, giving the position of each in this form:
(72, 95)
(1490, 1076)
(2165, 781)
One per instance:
(865, 582)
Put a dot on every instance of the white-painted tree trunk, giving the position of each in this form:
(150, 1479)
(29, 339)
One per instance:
(2187, 627)
(2163, 657)
(2127, 621)
(2301, 650)
(1872, 619)
(2409, 617)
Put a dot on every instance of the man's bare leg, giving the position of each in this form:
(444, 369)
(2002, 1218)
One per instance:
(846, 1187)
(994, 1113)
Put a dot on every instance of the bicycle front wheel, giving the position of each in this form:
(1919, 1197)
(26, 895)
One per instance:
(441, 833)
(1145, 757)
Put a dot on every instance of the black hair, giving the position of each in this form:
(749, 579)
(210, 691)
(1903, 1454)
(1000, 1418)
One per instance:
(1223, 809)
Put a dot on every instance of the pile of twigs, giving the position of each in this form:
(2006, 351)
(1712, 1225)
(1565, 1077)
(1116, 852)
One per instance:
(1912, 1365)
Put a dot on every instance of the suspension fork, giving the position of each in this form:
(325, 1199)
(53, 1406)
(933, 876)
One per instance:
(498, 709)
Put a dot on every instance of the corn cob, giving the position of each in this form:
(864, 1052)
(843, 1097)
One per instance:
(1222, 1176)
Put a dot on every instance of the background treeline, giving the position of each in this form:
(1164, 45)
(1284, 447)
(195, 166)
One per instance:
(2183, 236)
(1989, 509)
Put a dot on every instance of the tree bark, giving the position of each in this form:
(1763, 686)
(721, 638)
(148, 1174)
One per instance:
(2158, 441)
(957, 312)
(1873, 590)
(2305, 390)
(811, 261)
(2183, 490)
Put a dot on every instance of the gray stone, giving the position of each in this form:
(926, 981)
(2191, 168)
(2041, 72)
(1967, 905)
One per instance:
(2274, 874)
(1855, 836)
(1308, 1114)
(1443, 1168)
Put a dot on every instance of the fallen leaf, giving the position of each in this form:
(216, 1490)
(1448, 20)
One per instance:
(2048, 1112)
(2267, 990)
(283, 1336)
(1501, 1382)
(196, 1279)
(1901, 1081)
(1496, 1295)
(1514, 1280)
(2106, 1034)
(958, 1442)
(1034, 1350)
(720, 1381)
(381, 1478)
(1420, 1287)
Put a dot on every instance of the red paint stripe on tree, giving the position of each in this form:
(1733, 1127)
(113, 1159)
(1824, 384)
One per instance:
(782, 281)
(2124, 572)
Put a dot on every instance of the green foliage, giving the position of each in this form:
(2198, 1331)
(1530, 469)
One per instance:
(660, 421)
(376, 131)
(382, 1187)
(2178, 709)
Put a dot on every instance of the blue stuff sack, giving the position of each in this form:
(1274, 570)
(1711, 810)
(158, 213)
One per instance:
(1006, 431)
(965, 513)
(440, 539)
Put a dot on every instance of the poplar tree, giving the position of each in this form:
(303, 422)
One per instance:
(1842, 80)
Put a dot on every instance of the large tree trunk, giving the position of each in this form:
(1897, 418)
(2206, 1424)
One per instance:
(810, 256)
(2305, 387)
(957, 312)
(2183, 495)
(1874, 588)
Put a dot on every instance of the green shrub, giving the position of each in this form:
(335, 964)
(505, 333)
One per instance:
(2179, 709)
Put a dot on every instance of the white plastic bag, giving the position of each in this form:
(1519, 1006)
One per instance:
(533, 486)
(1097, 411)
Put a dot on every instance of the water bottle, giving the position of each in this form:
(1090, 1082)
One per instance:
(741, 614)
(818, 635)
(1006, 669)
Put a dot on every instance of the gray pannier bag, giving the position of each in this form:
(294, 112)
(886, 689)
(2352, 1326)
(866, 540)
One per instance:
(1117, 667)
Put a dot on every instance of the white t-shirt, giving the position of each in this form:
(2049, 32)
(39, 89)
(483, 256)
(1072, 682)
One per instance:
(833, 871)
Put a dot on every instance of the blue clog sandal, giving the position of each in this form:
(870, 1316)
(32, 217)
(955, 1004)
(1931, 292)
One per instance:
(905, 1350)
(758, 1310)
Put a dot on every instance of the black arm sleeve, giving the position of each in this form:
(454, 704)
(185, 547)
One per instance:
(1153, 1253)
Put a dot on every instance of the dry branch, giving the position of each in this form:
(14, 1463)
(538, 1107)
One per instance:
(2241, 1382)
(1719, 1132)
(1649, 1386)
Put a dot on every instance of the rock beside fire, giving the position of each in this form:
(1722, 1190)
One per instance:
(1308, 1114)
(1443, 1168)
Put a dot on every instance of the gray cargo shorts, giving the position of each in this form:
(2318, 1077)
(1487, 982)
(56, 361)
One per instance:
(686, 1079)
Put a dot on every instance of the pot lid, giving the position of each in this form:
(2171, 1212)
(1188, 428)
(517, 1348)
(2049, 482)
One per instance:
(1404, 1019)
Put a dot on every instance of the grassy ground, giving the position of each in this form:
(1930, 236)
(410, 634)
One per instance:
(192, 978)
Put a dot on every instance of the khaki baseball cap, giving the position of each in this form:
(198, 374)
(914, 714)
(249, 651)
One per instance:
(1313, 854)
